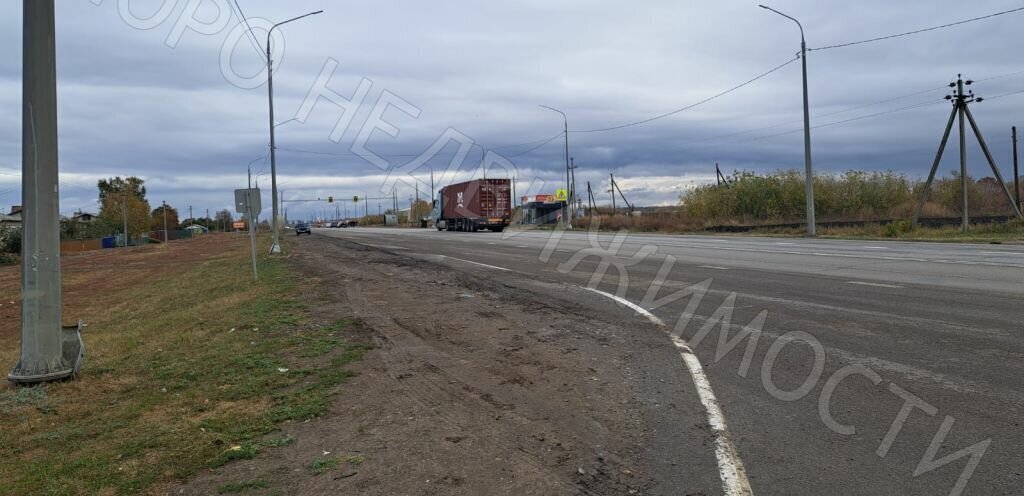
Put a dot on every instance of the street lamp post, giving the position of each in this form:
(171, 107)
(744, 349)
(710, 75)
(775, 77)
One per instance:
(811, 230)
(48, 351)
(566, 212)
(275, 246)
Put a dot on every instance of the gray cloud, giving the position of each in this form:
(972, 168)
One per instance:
(131, 105)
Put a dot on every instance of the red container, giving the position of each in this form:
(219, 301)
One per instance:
(477, 204)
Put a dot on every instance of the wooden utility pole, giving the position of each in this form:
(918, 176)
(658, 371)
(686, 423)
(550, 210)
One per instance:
(1016, 173)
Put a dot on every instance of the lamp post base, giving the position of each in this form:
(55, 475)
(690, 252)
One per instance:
(71, 358)
(275, 248)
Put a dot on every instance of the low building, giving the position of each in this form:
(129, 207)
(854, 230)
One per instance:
(12, 219)
(541, 209)
(84, 217)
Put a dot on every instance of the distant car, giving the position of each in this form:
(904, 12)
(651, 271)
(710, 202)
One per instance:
(302, 228)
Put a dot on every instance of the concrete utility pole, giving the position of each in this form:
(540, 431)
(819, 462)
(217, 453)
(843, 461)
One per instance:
(960, 109)
(964, 225)
(48, 351)
(515, 179)
(572, 182)
(275, 245)
(611, 188)
(191, 219)
(566, 212)
(809, 173)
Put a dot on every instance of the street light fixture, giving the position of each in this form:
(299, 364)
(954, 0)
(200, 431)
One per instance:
(566, 212)
(248, 168)
(275, 246)
(811, 230)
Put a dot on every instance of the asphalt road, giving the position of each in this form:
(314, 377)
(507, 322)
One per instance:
(880, 368)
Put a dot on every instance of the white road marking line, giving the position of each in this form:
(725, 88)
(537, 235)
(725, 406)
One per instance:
(730, 468)
(637, 308)
(876, 247)
(478, 263)
(780, 243)
(1016, 254)
(875, 284)
(492, 243)
(522, 246)
(713, 267)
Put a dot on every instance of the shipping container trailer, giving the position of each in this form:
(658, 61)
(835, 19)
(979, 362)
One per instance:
(474, 205)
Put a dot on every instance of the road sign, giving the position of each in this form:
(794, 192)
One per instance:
(246, 199)
(561, 194)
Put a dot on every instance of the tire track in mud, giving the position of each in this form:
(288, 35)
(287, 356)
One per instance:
(498, 385)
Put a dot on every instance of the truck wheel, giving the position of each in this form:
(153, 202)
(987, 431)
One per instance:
(497, 229)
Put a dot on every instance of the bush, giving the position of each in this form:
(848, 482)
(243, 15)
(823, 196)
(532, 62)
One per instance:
(10, 240)
(897, 228)
(853, 195)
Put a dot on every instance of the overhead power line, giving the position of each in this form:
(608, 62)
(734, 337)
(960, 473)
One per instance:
(826, 124)
(916, 31)
(249, 34)
(1003, 95)
(534, 148)
(540, 141)
(536, 144)
(688, 107)
(815, 117)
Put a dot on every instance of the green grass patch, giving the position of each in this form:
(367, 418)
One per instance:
(1012, 231)
(322, 465)
(190, 368)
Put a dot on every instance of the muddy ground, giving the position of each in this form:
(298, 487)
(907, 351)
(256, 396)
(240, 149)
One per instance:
(477, 386)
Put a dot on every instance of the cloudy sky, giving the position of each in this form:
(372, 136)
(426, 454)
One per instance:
(174, 92)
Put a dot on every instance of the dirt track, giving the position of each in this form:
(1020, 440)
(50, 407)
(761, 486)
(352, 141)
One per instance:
(474, 387)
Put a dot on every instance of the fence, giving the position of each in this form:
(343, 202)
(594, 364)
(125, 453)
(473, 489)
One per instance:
(117, 241)
(79, 245)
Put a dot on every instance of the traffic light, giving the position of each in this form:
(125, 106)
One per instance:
(355, 199)
(330, 199)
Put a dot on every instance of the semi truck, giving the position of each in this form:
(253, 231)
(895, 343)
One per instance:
(474, 205)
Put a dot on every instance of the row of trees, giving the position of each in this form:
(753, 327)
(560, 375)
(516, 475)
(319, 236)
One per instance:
(852, 195)
(123, 204)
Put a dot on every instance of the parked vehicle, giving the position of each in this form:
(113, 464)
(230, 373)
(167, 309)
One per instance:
(302, 228)
(474, 205)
